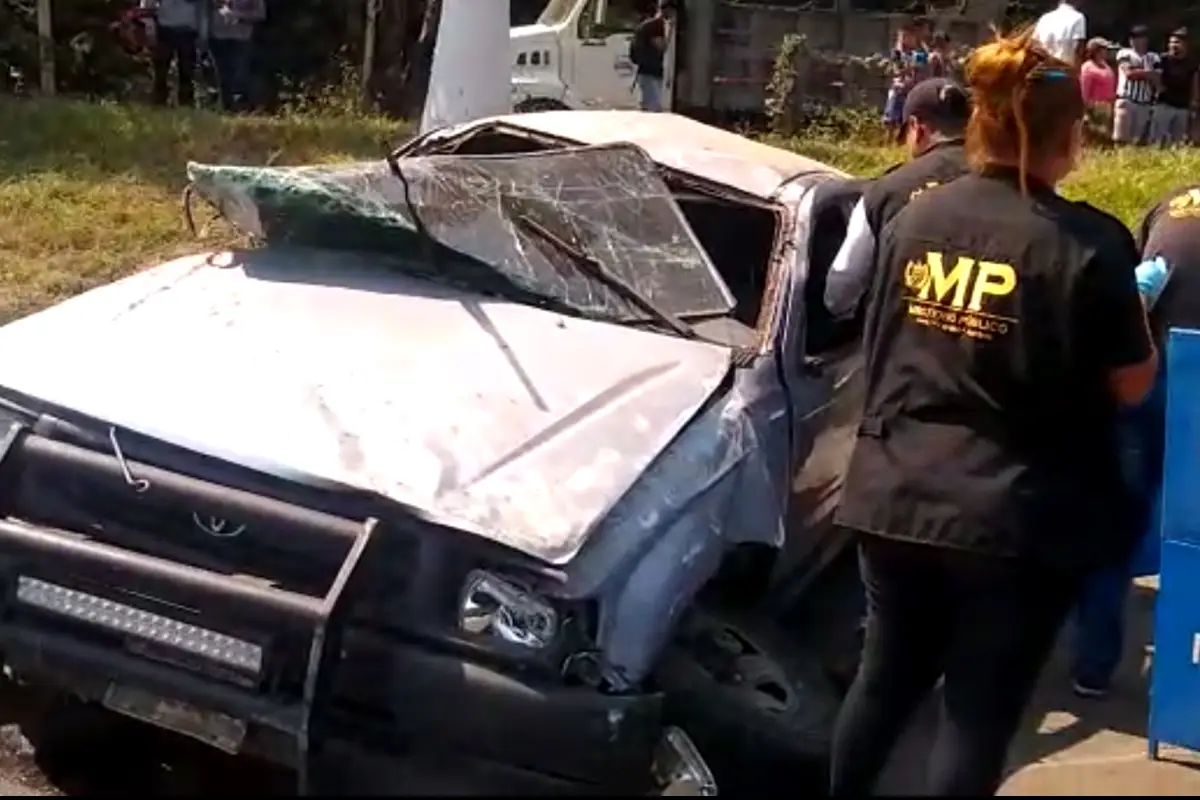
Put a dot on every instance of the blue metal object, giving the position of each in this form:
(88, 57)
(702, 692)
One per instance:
(1175, 680)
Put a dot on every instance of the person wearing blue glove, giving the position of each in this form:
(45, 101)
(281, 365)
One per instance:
(1169, 281)
(1152, 276)
(1100, 614)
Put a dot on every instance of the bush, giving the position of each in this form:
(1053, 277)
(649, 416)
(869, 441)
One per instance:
(833, 93)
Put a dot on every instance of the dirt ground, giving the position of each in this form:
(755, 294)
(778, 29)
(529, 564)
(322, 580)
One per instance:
(1070, 746)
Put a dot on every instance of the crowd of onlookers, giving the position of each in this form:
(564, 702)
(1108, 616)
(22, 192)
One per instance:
(178, 32)
(1134, 93)
(920, 52)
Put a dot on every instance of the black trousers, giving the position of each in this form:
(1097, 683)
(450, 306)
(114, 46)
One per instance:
(232, 59)
(984, 625)
(178, 45)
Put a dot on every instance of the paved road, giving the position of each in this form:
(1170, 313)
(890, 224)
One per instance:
(1070, 746)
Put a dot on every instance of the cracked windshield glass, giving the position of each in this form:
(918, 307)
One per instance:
(607, 202)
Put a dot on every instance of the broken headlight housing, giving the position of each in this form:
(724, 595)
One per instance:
(493, 606)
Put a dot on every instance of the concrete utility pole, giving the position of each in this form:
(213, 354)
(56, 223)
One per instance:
(370, 34)
(470, 77)
(45, 27)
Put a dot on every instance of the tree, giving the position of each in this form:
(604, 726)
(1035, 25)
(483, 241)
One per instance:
(407, 31)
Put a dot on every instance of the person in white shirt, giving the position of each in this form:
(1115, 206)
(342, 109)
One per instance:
(1063, 32)
(1138, 80)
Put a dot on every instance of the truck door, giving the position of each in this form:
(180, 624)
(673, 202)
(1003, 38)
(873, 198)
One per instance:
(602, 74)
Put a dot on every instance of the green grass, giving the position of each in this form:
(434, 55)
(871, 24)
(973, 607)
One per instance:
(1123, 182)
(91, 192)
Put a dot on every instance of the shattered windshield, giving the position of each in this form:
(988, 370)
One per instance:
(464, 220)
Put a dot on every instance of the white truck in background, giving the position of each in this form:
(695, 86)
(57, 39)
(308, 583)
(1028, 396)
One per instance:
(720, 59)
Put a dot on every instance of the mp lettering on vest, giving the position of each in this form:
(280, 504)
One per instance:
(1185, 205)
(961, 302)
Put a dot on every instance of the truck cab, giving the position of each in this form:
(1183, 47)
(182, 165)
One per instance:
(577, 56)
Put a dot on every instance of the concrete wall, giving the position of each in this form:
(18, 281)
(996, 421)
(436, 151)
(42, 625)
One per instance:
(732, 48)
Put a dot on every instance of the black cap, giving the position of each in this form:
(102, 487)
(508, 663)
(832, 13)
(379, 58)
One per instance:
(1138, 31)
(939, 102)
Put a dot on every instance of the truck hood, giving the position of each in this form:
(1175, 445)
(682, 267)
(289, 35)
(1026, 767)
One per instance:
(515, 423)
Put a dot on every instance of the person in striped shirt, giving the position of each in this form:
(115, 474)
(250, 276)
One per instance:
(1138, 79)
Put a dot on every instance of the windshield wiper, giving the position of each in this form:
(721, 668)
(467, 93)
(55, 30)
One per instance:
(592, 267)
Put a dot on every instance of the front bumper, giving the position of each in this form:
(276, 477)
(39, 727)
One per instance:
(441, 726)
(424, 700)
(104, 616)
(347, 769)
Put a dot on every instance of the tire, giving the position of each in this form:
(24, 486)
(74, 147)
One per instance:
(759, 707)
(831, 613)
(532, 104)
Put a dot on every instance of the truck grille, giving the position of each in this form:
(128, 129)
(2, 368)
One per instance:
(215, 598)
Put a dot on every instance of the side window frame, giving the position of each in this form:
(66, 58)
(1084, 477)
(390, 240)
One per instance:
(825, 335)
(596, 20)
(589, 25)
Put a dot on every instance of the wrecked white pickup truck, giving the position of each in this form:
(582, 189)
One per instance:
(498, 462)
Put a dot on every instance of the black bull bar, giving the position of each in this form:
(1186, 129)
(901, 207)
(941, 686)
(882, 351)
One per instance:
(151, 604)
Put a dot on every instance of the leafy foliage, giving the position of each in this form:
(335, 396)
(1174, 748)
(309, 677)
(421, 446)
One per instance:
(837, 94)
(304, 47)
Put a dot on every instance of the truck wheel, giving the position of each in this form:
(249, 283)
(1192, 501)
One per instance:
(759, 707)
(532, 104)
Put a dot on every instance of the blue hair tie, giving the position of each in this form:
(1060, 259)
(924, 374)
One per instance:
(1055, 74)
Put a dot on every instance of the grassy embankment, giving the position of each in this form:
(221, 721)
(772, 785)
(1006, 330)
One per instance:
(90, 192)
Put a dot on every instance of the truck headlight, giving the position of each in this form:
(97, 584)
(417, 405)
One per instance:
(493, 606)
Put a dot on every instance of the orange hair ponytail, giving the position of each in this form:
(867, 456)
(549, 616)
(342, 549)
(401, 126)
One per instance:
(1026, 102)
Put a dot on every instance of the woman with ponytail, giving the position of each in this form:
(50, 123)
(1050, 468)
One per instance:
(1004, 331)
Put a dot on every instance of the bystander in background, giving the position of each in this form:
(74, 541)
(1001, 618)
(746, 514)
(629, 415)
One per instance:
(940, 61)
(231, 25)
(1138, 82)
(909, 66)
(1098, 82)
(648, 50)
(174, 28)
(1179, 93)
(1062, 31)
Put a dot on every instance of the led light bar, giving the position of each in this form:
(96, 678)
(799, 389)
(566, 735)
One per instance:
(152, 627)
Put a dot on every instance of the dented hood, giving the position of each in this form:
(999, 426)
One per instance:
(516, 423)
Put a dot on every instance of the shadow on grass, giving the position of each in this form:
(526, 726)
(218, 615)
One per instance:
(97, 141)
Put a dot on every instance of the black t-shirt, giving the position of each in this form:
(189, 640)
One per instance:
(643, 52)
(1171, 229)
(890, 192)
(1177, 76)
(993, 324)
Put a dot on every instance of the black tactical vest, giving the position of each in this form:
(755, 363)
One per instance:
(988, 424)
(1172, 230)
(883, 199)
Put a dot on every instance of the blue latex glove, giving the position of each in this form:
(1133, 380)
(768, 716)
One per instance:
(1152, 278)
